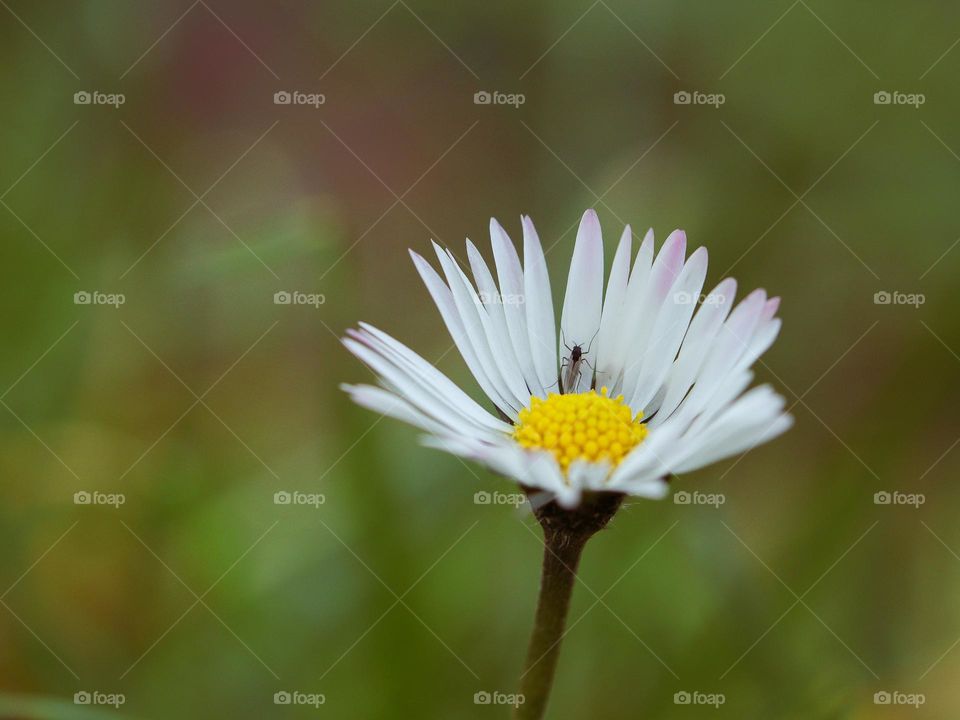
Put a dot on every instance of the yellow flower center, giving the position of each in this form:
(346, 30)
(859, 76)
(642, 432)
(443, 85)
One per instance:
(585, 426)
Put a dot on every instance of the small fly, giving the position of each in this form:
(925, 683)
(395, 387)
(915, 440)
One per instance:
(570, 370)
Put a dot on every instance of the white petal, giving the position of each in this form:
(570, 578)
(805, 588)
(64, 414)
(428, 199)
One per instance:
(541, 324)
(770, 309)
(433, 377)
(632, 311)
(386, 403)
(443, 298)
(760, 342)
(512, 284)
(696, 346)
(654, 405)
(528, 468)
(544, 472)
(582, 304)
(497, 339)
(611, 320)
(728, 347)
(473, 316)
(654, 489)
(588, 475)
(649, 460)
(747, 415)
(745, 439)
(664, 273)
(421, 395)
(503, 457)
(728, 391)
(493, 302)
(670, 327)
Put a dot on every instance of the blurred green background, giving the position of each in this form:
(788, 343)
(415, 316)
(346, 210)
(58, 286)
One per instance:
(199, 398)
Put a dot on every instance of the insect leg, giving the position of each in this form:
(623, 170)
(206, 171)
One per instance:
(591, 341)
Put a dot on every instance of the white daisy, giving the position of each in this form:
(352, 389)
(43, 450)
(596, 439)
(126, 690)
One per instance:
(646, 380)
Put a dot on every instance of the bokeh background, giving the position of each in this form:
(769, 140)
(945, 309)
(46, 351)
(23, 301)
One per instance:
(199, 398)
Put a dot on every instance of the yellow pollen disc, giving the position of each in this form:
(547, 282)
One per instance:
(583, 426)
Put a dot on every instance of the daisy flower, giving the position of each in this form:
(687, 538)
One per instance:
(646, 378)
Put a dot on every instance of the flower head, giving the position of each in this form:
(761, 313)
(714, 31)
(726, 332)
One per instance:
(645, 380)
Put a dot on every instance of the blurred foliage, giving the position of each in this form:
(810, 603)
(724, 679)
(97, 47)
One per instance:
(199, 398)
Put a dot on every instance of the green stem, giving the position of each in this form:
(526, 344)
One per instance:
(561, 556)
(565, 533)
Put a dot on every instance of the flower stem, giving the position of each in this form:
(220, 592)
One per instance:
(557, 578)
(565, 534)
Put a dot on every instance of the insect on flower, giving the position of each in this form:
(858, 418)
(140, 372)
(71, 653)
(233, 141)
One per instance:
(570, 369)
